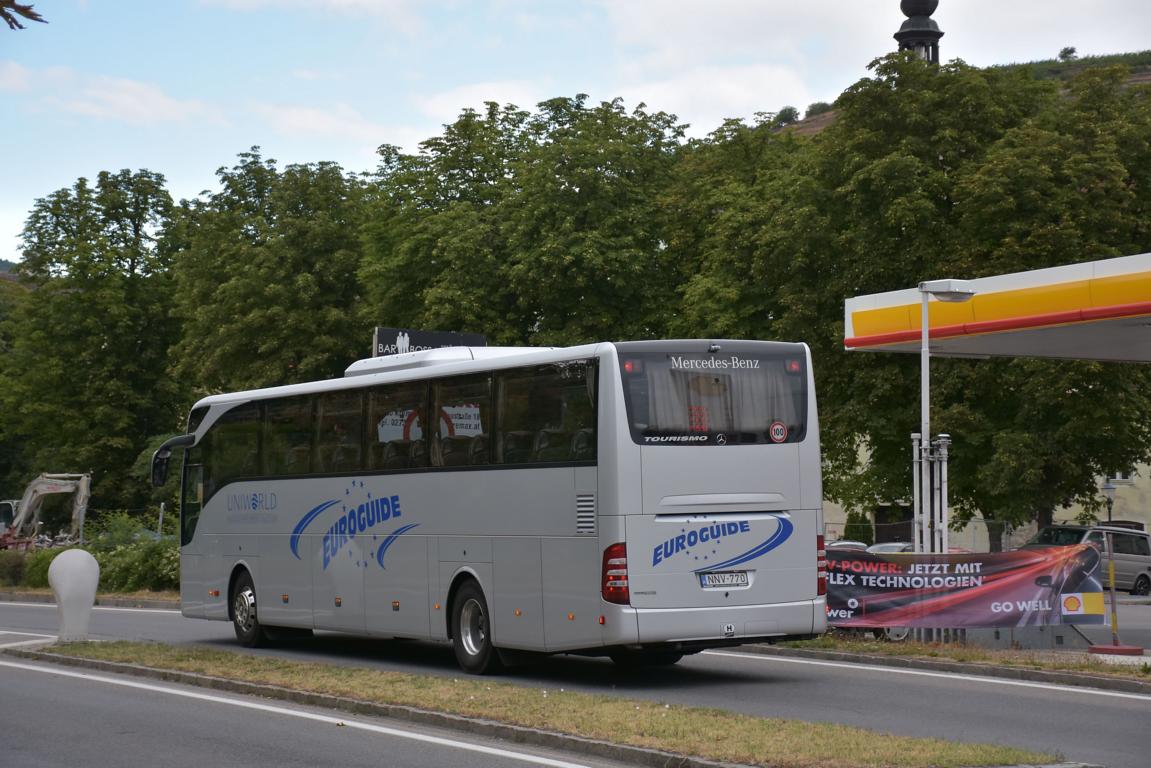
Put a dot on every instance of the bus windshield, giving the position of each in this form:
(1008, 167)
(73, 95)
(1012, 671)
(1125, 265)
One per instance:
(702, 393)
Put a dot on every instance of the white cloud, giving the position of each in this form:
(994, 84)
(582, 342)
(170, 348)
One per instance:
(705, 96)
(340, 121)
(131, 101)
(13, 77)
(445, 106)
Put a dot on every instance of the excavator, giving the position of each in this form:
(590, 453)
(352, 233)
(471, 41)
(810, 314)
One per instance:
(23, 532)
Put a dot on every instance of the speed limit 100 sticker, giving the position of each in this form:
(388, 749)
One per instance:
(777, 431)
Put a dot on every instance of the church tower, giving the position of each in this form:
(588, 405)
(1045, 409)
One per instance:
(919, 33)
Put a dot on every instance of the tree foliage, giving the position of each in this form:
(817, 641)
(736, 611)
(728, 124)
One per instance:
(84, 381)
(265, 274)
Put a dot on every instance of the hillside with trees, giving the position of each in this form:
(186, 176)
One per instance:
(576, 221)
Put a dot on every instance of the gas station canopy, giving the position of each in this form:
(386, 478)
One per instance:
(1099, 310)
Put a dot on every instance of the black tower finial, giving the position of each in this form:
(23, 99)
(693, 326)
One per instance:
(919, 33)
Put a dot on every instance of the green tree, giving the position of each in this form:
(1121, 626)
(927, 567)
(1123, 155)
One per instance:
(931, 172)
(84, 382)
(434, 251)
(586, 255)
(858, 527)
(266, 277)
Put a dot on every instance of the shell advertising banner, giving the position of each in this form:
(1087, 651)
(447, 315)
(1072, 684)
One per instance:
(1026, 587)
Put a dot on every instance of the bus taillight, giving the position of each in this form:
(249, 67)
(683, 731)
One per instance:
(821, 566)
(615, 586)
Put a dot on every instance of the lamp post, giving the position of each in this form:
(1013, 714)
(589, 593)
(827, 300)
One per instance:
(1108, 494)
(952, 291)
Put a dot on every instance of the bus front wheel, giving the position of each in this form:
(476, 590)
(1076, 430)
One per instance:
(249, 631)
(471, 631)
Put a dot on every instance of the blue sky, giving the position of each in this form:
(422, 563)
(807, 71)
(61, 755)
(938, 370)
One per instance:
(182, 86)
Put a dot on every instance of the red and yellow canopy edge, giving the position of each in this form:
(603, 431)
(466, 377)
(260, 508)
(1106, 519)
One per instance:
(1101, 298)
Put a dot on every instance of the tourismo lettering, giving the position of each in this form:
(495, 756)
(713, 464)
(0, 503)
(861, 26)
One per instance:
(709, 533)
(358, 520)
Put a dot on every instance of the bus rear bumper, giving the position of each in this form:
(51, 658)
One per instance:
(731, 625)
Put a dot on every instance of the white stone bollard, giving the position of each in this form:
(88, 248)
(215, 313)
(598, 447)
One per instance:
(73, 576)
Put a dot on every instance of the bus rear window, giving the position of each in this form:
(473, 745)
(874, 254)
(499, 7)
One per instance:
(742, 393)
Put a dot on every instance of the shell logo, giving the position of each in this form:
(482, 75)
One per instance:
(1072, 604)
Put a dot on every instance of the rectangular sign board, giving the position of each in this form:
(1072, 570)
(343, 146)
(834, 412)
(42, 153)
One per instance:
(396, 341)
(1026, 587)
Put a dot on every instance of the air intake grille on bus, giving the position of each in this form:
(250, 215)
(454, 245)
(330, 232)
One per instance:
(585, 513)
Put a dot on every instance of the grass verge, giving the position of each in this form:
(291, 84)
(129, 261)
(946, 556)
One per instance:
(708, 733)
(1056, 661)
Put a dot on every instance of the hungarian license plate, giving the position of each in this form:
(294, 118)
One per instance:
(723, 579)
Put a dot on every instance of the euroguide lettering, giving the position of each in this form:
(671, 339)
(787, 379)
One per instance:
(358, 520)
(709, 538)
(360, 512)
(687, 540)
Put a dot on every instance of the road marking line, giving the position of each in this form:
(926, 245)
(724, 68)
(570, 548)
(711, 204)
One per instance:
(926, 673)
(40, 639)
(464, 745)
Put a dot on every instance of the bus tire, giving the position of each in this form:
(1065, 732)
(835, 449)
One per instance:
(471, 631)
(249, 631)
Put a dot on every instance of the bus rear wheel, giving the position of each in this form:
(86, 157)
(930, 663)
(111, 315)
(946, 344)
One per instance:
(471, 631)
(249, 631)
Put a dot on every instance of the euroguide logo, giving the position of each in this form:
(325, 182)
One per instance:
(361, 513)
(702, 542)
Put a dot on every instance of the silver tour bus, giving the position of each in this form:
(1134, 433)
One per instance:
(639, 500)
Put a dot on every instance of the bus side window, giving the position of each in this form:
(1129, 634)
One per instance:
(192, 493)
(339, 435)
(288, 436)
(235, 447)
(463, 406)
(397, 433)
(546, 414)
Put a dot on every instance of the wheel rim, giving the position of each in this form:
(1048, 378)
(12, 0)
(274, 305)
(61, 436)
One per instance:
(244, 609)
(473, 627)
(1143, 586)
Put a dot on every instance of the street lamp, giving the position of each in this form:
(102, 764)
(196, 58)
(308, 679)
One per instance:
(1109, 494)
(952, 291)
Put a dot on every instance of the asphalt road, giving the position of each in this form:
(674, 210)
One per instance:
(1102, 727)
(60, 717)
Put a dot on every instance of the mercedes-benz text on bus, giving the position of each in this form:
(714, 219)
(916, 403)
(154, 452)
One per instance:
(640, 500)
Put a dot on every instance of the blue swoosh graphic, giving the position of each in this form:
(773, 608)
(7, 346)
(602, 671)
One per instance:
(305, 521)
(782, 534)
(390, 540)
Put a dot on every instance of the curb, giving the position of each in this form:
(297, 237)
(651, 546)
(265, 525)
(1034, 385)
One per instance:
(488, 728)
(1081, 679)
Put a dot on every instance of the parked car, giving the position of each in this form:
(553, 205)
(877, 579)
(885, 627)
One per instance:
(891, 547)
(1132, 551)
(847, 544)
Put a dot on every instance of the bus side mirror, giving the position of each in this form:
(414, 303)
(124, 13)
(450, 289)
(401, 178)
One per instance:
(164, 453)
(160, 467)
